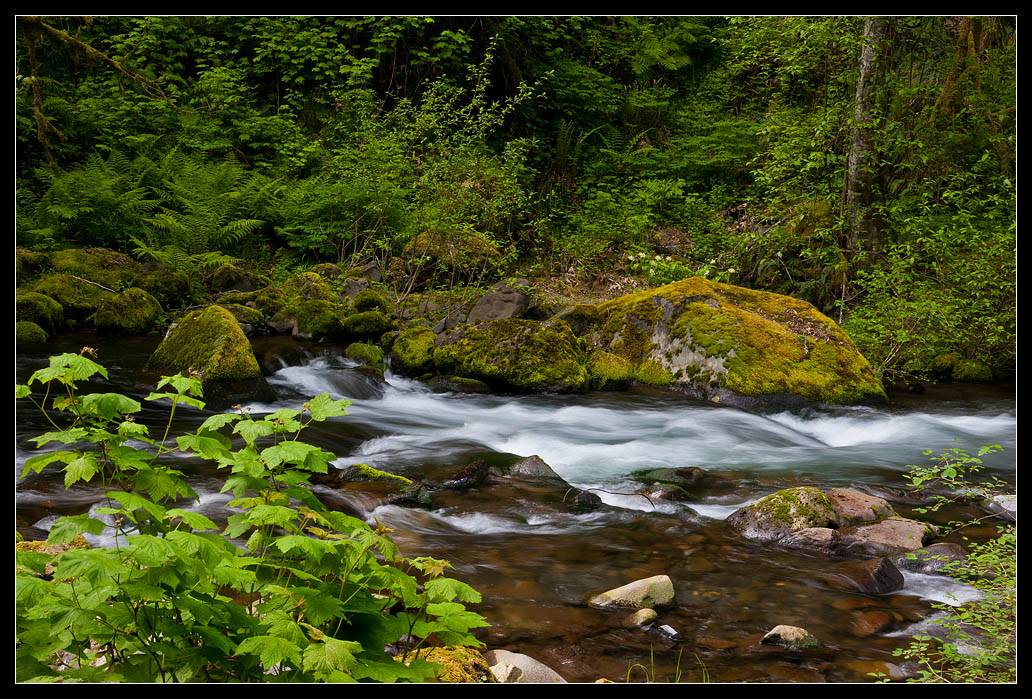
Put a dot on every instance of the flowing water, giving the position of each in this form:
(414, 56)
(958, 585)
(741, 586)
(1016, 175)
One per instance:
(535, 557)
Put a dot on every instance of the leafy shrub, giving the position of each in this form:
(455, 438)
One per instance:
(312, 595)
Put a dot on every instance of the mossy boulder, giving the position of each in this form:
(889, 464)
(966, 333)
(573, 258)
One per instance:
(786, 511)
(80, 299)
(39, 309)
(210, 343)
(412, 351)
(582, 318)
(366, 354)
(132, 312)
(106, 267)
(370, 300)
(27, 332)
(172, 289)
(971, 370)
(609, 371)
(233, 278)
(367, 324)
(28, 265)
(514, 354)
(458, 664)
(308, 285)
(448, 255)
(726, 343)
(319, 319)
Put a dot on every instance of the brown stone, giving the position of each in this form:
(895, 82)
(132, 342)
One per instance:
(886, 537)
(870, 623)
(877, 576)
(854, 507)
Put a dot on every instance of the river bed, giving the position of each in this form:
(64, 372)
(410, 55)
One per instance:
(535, 558)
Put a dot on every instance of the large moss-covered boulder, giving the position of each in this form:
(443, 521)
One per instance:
(29, 264)
(412, 351)
(211, 343)
(134, 311)
(731, 344)
(447, 255)
(172, 289)
(27, 332)
(521, 355)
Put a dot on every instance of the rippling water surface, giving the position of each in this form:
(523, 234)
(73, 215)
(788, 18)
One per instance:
(535, 558)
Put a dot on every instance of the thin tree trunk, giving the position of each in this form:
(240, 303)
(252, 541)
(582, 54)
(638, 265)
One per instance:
(861, 165)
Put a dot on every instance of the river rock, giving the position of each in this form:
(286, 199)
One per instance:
(1004, 506)
(533, 670)
(791, 637)
(784, 512)
(726, 343)
(888, 536)
(211, 343)
(656, 591)
(642, 617)
(876, 576)
(815, 539)
(870, 623)
(532, 467)
(503, 301)
(930, 559)
(521, 355)
(854, 507)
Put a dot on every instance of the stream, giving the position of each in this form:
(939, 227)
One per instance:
(535, 558)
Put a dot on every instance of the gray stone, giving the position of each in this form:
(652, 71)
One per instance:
(1004, 506)
(779, 514)
(656, 591)
(642, 617)
(886, 537)
(930, 559)
(877, 576)
(533, 670)
(854, 507)
(817, 539)
(503, 302)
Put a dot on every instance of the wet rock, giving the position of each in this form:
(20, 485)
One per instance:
(533, 670)
(503, 301)
(815, 539)
(795, 673)
(532, 467)
(587, 500)
(1004, 506)
(866, 669)
(459, 664)
(642, 617)
(877, 576)
(457, 384)
(472, 476)
(870, 623)
(854, 507)
(790, 637)
(505, 673)
(211, 343)
(778, 515)
(930, 559)
(734, 345)
(670, 632)
(656, 591)
(888, 536)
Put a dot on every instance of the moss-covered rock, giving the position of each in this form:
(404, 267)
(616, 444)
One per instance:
(318, 319)
(28, 333)
(784, 512)
(134, 311)
(308, 285)
(723, 342)
(610, 371)
(172, 289)
(367, 324)
(369, 355)
(582, 318)
(28, 265)
(326, 270)
(450, 255)
(515, 354)
(233, 278)
(107, 267)
(211, 343)
(370, 300)
(80, 299)
(458, 664)
(39, 309)
(245, 314)
(971, 370)
(412, 351)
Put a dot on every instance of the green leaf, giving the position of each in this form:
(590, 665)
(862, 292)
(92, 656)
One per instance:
(251, 430)
(81, 469)
(195, 520)
(331, 654)
(272, 650)
(110, 406)
(38, 463)
(324, 407)
(217, 422)
(22, 391)
(67, 528)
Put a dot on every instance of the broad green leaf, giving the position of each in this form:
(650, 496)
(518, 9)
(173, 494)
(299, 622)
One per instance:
(272, 650)
(80, 469)
(323, 407)
(331, 655)
(251, 430)
(177, 398)
(22, 391)
(210, 445)
(110, 406)
(217, 422)
(194, 520)
(182, 384)
(38, 463)
(67, 528)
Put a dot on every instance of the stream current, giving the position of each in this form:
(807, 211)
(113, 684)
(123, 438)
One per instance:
(535, 558)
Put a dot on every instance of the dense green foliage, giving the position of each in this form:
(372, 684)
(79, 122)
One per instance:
(541, 144)
(285, 590)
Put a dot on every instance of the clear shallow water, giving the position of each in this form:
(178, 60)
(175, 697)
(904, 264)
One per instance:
(535, 559)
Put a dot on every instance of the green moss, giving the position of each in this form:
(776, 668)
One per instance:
(244, 314)
(171, 289)
(518, 354)
(798, 508)
(370, 355)
(107, 267)
(28, 265)
(753, 343)
(79, 299)
(412, 351)
(209, 342)
(308, 285)
(609, 370)
(326, 270)
(361, 472)
(317, 318)
(370, 300)
(38, 309)
(233, 277)
(367, 324)
(131, 312)
(27, 332)
(971, 370)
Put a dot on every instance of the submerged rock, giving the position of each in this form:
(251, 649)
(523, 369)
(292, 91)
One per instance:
(930, 559)
(532, 670)
(211, 343)
(854, 507)
(791, 637)
(877, 576)
(887, 536)
(730, 344)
